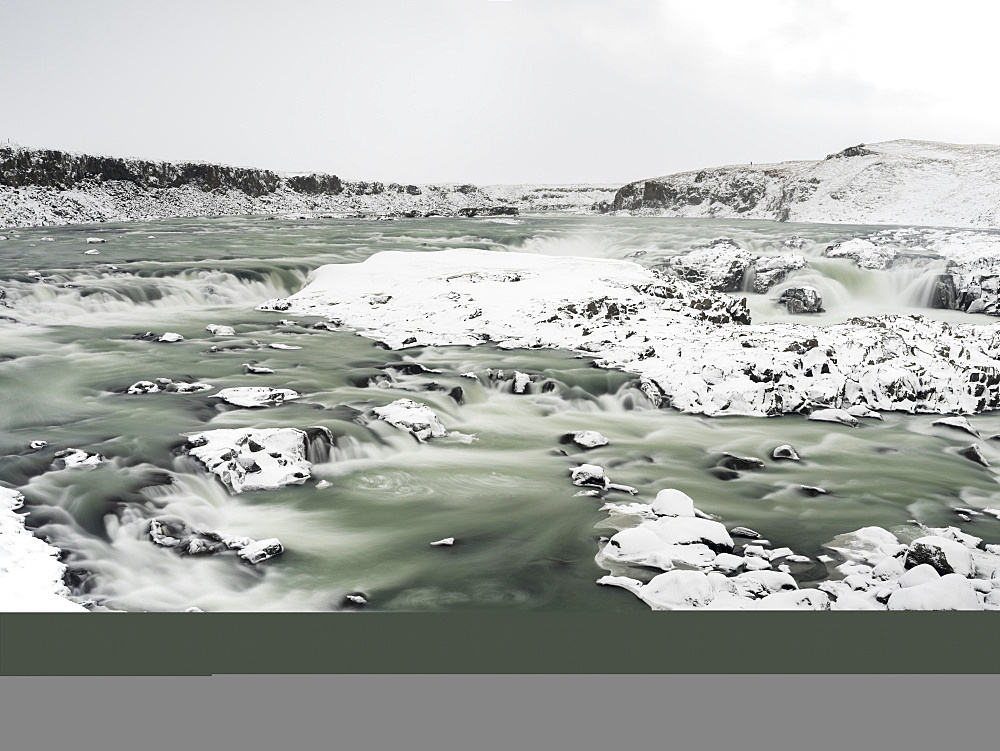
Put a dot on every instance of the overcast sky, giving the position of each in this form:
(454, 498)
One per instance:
(495, 90)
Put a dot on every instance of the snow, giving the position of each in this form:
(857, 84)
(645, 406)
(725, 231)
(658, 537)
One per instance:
(685, 340)
(261, 550)
(408, 415)
(588, 439)
(256, 396)
(900, 182)
(253, 459)
(30, 573)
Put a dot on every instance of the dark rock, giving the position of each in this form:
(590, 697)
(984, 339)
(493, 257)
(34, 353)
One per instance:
(972, 453)
(922, 553)
(801, 300)
(731, 461)
(850, 151)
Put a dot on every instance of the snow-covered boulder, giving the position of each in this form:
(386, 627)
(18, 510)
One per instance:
(945, 555)
(841, 416)
(408, 415)
(864, 253)
(949, 592)
(256, 396)
(958, 423)
(785, 451)
(217, 330)
(772, 270)
(672, 502)
(171, 336)
(804, 299)
(79, 459)
(722, 265)
(261, 550)
(586, 439)
(253, 459)
(589, 475)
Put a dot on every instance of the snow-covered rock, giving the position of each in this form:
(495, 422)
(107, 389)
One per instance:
(803, 299)
(722, 265)
(945, 555)
(217, 330)
(418, 419)
(682, 341)
(841, 416)
(261, 550)
(256, 396)
(672, 502)
(168, 385)
(959, 423)
(253, 459)
(31, 576)
(79, 459)
(586, 439)
(785, 451)
(171, 336)
(444, 542)
(949, 592)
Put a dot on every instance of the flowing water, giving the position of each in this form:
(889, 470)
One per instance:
(525, 539)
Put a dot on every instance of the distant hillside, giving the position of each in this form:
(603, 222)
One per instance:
(895, 182)
(40, 187)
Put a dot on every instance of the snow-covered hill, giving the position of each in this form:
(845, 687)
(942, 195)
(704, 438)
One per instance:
(897, 182)
(41, 187)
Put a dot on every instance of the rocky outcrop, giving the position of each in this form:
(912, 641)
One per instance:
(41, 187)
(895, 182)
(678, 337)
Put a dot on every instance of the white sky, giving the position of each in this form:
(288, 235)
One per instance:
(492, 91)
